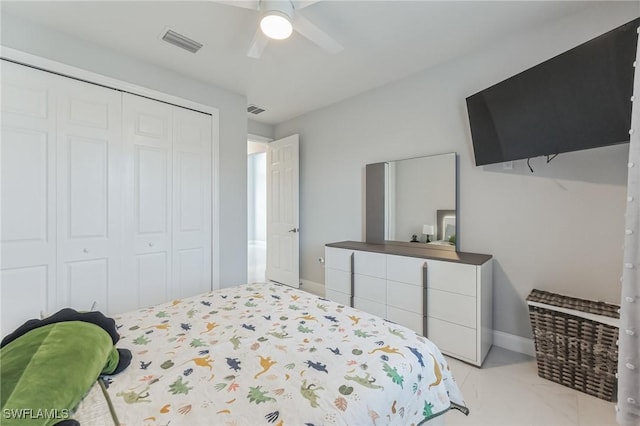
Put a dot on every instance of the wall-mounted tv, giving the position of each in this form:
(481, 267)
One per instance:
(577, 100)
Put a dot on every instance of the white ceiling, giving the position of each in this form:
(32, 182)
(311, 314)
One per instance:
(383, 41)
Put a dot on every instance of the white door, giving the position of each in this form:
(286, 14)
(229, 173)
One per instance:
(28, 195)
(168, 195)
(105, 198)
(283, 262)
(89, 203)
(191, 203)
(147, 248)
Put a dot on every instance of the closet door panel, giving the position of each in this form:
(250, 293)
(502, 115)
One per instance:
(25, 292)
(189, 173)
(22, 97)
(151, 191)
(88, 188)
(189, 270)
(28, 179)
(24, 186)
(88, 185)
(191, 203)
(152, 275)
(148, 133)
(86, 282)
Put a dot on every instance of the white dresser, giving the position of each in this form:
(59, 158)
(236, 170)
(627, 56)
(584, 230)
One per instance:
(443, 295)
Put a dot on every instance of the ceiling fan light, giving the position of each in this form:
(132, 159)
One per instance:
(276, 25)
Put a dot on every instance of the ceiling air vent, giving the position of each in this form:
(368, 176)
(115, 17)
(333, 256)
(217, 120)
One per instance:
(179, 40)
(254, 109)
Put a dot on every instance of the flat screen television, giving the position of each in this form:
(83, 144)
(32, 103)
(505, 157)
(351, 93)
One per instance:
(577, 100)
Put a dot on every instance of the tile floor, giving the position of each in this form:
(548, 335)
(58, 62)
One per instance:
(508, 391)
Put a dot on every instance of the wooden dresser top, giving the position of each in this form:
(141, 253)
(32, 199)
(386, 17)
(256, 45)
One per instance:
(414, 250)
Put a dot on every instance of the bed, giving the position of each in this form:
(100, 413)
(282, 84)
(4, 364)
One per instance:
(270, 354)
(263, 354)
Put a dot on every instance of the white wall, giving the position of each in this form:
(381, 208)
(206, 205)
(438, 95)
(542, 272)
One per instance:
(232, 178)
(560, 228)
(260, 129)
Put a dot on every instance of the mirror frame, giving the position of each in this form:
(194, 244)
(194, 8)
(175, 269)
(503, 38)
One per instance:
(375, 205)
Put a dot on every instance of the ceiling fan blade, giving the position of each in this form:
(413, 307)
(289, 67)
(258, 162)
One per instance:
(258, 44)
(245, 4)
(301, 4)
(316, 35)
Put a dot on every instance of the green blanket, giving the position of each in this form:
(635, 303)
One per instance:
(45, 373)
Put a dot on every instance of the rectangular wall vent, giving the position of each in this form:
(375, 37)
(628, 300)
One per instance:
(254, 109)
(181, 41)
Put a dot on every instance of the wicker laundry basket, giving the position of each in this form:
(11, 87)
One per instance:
(576, 342)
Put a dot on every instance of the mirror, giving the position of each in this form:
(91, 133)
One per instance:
(413, 201)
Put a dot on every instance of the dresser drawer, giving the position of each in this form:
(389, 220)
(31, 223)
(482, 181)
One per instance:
(405, 269)
(452, 339)
(336, 258)
(375, 308)
(408, 319)
(451, 307)
(405, 296)
(337, 297)
(452, 277)
(372, 264)
(337, 280)
(370, 288)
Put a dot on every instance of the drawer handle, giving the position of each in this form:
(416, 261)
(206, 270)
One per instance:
(425, 282)
(425, 278)
(353, 278)
(85, 250)
(151, 244)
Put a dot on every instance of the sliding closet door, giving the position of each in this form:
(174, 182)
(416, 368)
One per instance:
(28, 197)
(191, 203)
(167, 202)
(89, 204)
(106, 198)
(148, 134)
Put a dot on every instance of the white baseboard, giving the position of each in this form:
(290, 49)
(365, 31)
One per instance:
(312, 287)
(514, 343)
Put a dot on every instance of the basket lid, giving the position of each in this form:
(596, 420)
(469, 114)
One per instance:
(561, 301)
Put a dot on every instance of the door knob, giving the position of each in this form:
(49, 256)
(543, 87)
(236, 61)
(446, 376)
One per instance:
(294, 230)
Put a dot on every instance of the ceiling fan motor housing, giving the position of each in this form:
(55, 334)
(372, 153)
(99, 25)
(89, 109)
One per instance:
(280, 7)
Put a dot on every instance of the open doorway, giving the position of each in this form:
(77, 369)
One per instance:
(257, 210)
(273, 210)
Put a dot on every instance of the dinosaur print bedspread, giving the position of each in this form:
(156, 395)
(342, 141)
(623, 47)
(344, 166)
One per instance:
(266, 354)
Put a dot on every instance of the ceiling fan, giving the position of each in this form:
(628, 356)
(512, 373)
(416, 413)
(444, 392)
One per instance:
(278, 19)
